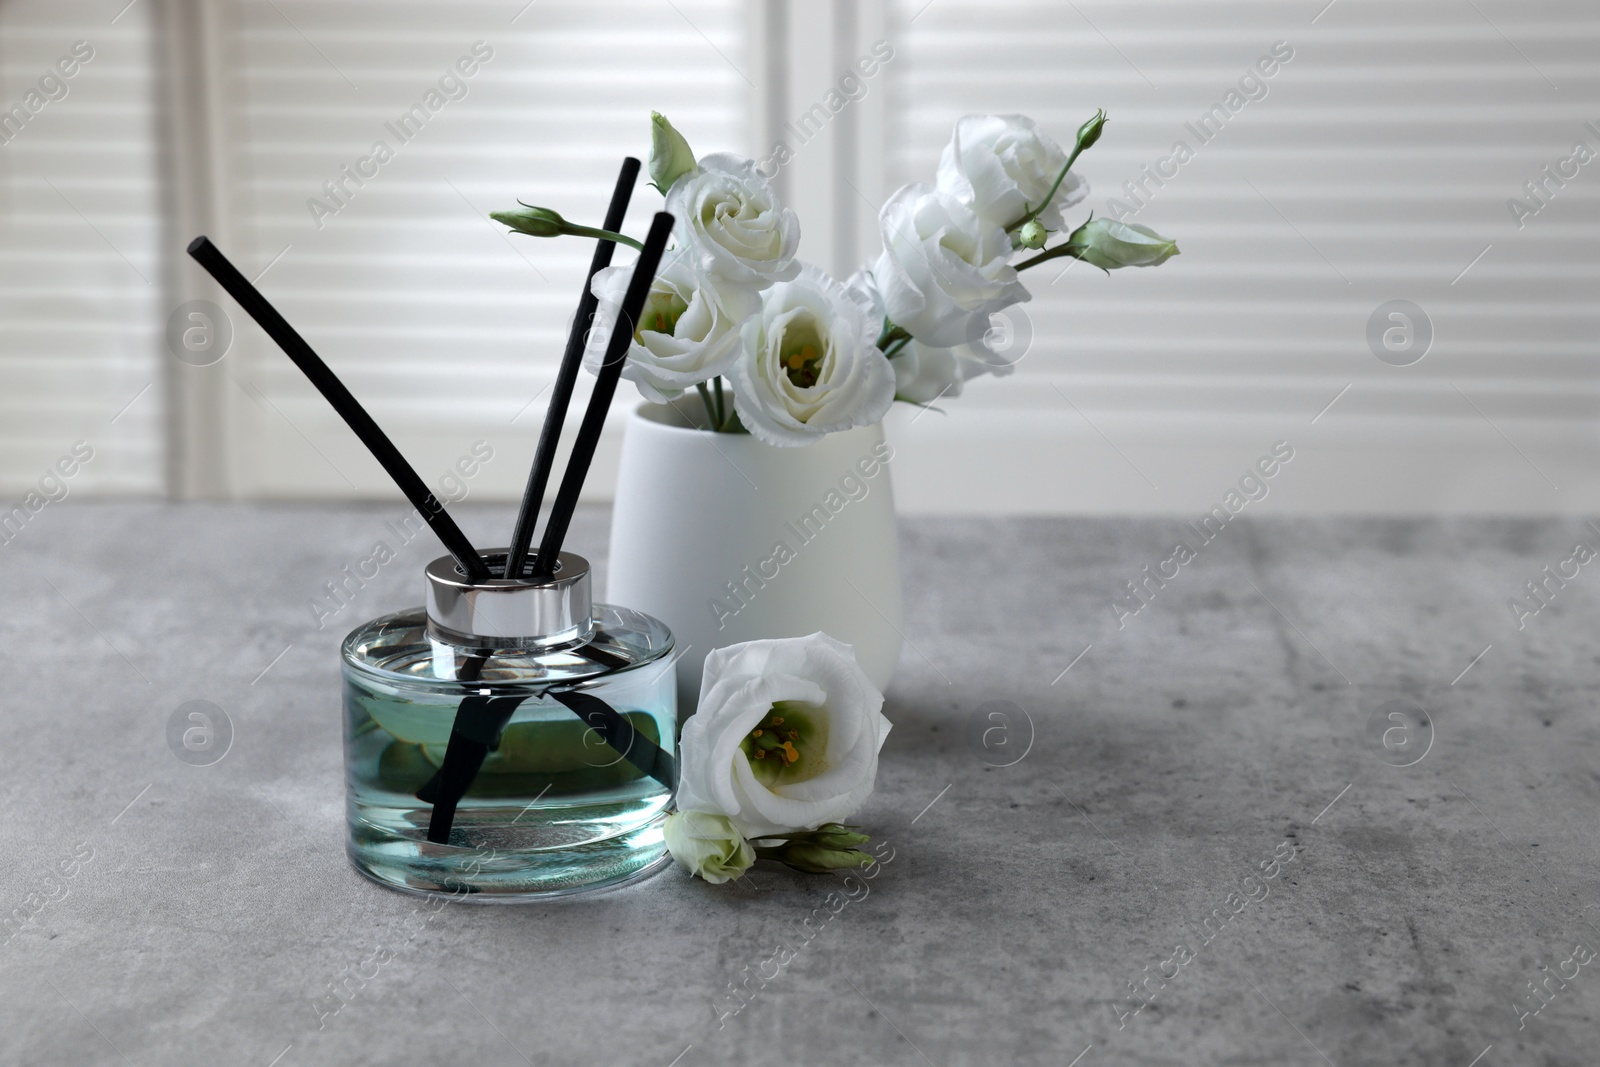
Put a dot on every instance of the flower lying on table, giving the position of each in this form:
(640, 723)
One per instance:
(784, 746)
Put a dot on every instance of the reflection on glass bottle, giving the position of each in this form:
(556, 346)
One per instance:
(508, 766)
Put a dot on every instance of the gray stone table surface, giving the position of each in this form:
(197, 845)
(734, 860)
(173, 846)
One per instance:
(1203, 811)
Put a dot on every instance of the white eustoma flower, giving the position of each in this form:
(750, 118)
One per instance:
(941, 266)
(809, 364)
(923, 375)
(862, 288)
(687, 333)
(1002, 166)
(786, 736)
(728, 216)
(707, 845)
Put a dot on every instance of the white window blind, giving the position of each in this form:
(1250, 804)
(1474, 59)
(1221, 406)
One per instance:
(446, 328)
(80, 270)
(1376, 167)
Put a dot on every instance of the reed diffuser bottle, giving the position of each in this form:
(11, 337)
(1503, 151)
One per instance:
(510, 739)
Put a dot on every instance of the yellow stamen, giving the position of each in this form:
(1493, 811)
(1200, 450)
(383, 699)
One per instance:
(756, 733)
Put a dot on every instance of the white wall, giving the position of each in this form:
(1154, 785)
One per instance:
(1377, 166)
(447, 328)
(80, 255)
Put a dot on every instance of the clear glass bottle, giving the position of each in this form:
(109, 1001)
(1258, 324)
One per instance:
(510, 740)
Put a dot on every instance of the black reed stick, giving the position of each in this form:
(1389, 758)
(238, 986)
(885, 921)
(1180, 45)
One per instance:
(355, 416)
(605, 386)
(561, 393)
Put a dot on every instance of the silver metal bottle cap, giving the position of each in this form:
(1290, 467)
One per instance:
(501, 613)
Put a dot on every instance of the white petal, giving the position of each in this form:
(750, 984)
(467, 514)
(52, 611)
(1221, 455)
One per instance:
(740, 685)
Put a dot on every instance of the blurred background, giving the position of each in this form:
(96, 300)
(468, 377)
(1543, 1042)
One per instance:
(1425, 152)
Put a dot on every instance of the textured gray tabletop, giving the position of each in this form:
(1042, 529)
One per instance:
(1138, 857)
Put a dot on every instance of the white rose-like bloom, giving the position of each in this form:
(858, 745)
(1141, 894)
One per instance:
(1003, 166)
(941, 266)
(809, 364)
(687, 333)
(786, 736)
(862, 288)
(707, 845)
(729, 217)
(923, 374)
(916, 379)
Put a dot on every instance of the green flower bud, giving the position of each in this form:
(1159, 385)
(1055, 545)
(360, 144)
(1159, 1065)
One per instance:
(543, 222)
(707, 845)
(533, 221)
(809, 858)
(829, 834)
(670, 155)
(1089, 132)
(836, 835)
(1032, 235)
(1108, 244)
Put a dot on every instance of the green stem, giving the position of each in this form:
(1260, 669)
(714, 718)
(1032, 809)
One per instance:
(894, 349)
(890, 334)
(711, 409)
(1077, 150)
(603, 235)
(722, 405)
(1068, 249)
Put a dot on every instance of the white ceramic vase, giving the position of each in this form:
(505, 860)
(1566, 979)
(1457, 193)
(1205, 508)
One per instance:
(726, 539)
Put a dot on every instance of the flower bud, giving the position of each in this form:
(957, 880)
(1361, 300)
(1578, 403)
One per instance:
(1032, 235)
(543, 222)
(809, 858)
(533, 221)
(1108, 244)
(836, 835)
(670, 155)
(707, 845)
(1089, 132)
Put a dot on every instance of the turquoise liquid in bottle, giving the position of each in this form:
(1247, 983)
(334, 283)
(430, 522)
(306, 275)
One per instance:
(563, 765)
